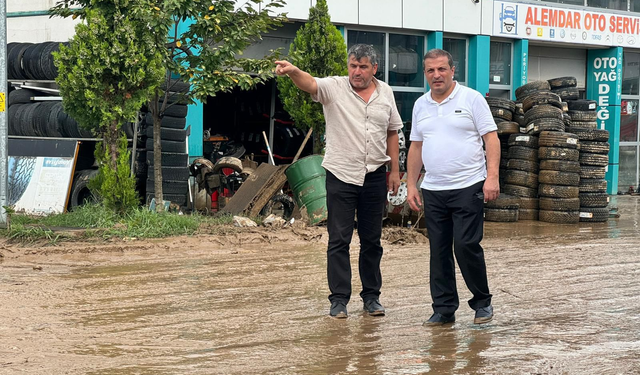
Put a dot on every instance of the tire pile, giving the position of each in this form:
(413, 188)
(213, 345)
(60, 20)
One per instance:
(553, 156)
(173, 143)
(32, 60)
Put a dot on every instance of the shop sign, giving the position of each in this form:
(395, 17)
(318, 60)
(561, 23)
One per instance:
(604, 84)
(552, 23)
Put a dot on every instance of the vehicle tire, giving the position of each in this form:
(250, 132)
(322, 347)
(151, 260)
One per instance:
(548, 124)
(530, 88)
(15, 61)
(504, 201)
(558, 191)
(175, 110)
(598, 160)
(558, 139)
(584, 124)
(520, 191)
(524, 140)
(179, 135)
(558, 153)
(559, 204)
(594, 147)
(280, 204)
(47, 67)
(508, 127)
(168, 146)
(521, 178)
(170, 159)
(588, 171)
(594, 214)
(167, 122)
(559, 178)
(582, 105)
(501, 215)
(559, 217)
(522, 165)
(175, 85)
(501, 113)
(80, 192)
(31, 61)
(585, 134)
(561, 82)
(170, 173)
(507, 104)
(529, 203)
(560, 165)
(583, 116)
(524, 153)
(228, 162)
(169, 186)
(541, 98)
(542, 111)
(21, 96)
(567, 93)
(527, 214)
(594, 200)
(593, 186)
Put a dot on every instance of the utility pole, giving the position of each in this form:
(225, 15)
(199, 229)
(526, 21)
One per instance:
(4, 129)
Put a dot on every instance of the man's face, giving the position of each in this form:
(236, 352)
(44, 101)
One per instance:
(361, 72)
(439, 74)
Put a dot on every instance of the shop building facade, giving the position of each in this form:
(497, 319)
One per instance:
(497, 46)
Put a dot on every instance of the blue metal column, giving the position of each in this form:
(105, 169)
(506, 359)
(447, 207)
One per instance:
(520, 64)
(604, 85)
(434, 40)
(195, 114)
(479, 61)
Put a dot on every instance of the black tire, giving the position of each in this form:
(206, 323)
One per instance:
(174, 109)
(559, 217)
(594, 147)
(588, 171)
(508, 127)
(168, 146)
(561, 82)
(560, 165)
(523, 165)
(15, 57)
(559, 178)
(582, 105)
(504, 201)
(179, 135)
(583, 116)
(541, 98)
(524, 153)
(542, 111)
(545, 124)
(558, 139)
(559, 204)
(594, 214)
(167, 122)
(80, 192)
(170, 159)
(31, 61)
(531, 87)
(598, 160)
(519, 119)
(567, 93)
(521, 178)
(594, 200)
(501, 215)
(280, 204)
(584, 124)
(507, 104)
(585, 134)
(179, 199)
(558, 191)
(558, 153)
(21, 96)
(47, 67)
(169, 186)
(501, 113)
(520, 191)
(529, 203)
(171, 173)
(175, 85)
(593, 186)
(527, 214)
(524, 140)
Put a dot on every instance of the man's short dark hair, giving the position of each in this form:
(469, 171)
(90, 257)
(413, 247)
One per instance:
(437, 52)
(359, 51)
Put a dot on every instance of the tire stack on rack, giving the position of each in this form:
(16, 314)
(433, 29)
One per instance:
(594, 150)
(559, 177)
(175, 158)
(505, 208)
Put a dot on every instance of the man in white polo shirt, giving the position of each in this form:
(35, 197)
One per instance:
(449, 125)
(362, 124)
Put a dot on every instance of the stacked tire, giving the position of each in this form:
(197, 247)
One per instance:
(559, 177)
(504, 209)
(174, 156)
(594, 150)
(521, 176)
(32, 60)
(565, 87)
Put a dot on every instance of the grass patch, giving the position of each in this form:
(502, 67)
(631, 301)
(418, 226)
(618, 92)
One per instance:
(100, 222)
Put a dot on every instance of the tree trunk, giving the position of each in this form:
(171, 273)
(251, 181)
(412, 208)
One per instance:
(318, 143)
(157, 155)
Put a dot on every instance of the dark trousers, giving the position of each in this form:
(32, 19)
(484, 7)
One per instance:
(344, 202)
(454, 218)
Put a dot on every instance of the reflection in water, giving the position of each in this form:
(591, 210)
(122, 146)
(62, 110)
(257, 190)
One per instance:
(454, 350)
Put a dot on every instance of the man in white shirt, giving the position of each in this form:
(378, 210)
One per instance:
(362, 124)
(449, 125)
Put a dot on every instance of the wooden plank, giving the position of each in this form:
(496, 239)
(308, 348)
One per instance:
(249, 189)
(270, 188)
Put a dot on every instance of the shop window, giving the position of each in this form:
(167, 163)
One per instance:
(405, 101)
(375, 39)
(405, 60)
(628, 171)
(500, 64)
(628, 120)
(608, 4)
(458, 50)
(634, 5)
(630, 73)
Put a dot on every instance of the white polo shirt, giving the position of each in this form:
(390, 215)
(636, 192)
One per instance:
(356, 130)
(451, 135)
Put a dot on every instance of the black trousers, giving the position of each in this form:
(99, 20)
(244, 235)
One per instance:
(344, 202)
(454, 218)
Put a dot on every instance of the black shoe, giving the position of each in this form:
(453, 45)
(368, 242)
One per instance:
(438, 319)
(338, 310)
(373, 307)
(483, 315)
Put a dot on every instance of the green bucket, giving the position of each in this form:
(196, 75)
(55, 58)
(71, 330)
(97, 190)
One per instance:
(307, 179)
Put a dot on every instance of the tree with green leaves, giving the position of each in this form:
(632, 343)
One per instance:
(318, 49)
(207, 55)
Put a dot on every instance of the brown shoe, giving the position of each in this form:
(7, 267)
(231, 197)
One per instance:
(483, 315)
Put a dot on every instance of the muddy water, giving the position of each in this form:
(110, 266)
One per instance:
(566, 297)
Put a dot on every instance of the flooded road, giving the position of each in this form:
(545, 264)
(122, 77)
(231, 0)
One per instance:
(566, 298)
